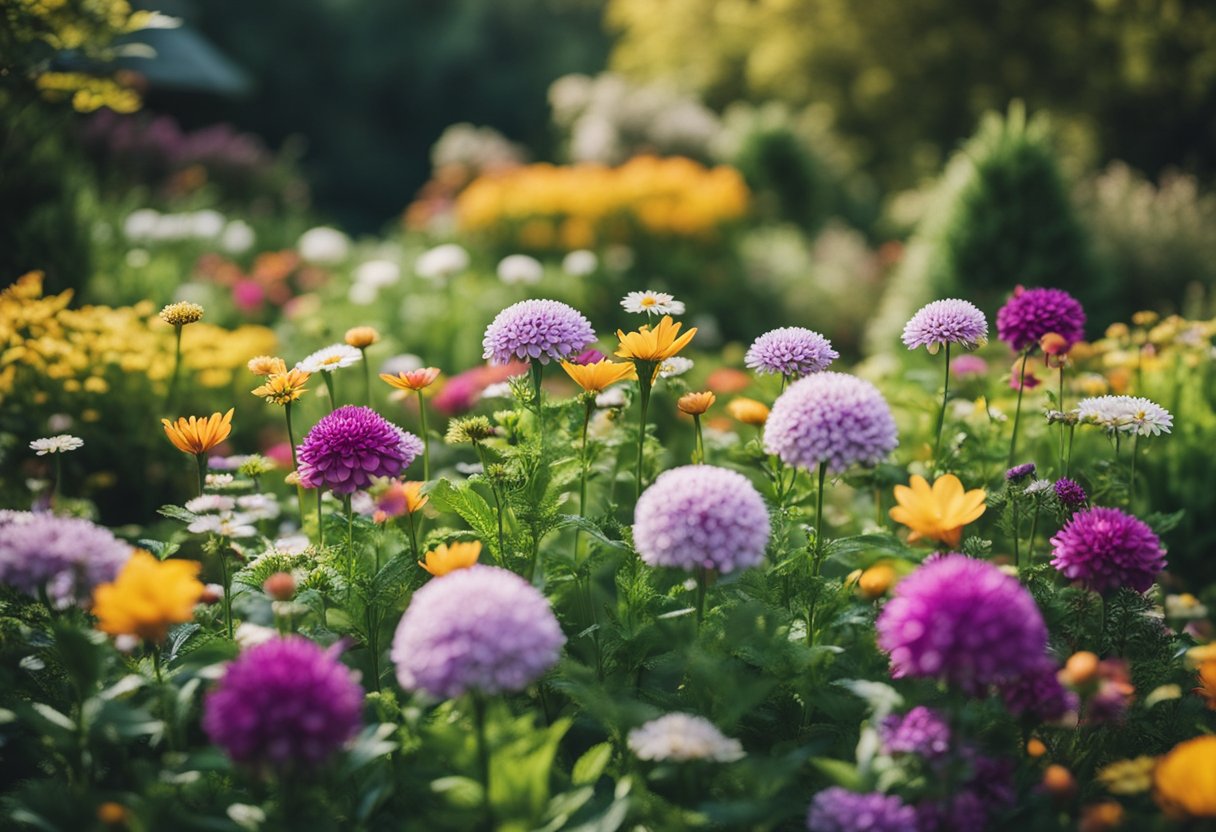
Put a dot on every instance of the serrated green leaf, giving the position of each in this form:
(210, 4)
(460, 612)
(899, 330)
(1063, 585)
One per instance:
(591, 765)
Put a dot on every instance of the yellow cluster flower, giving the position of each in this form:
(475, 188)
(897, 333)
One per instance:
(581, 206)
(147, 596)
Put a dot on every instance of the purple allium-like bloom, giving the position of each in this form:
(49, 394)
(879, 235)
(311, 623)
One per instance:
(1029, 314)
(830, 417)
(966, 366)
(68, 556)
(790, 351)
(921, 731)
(1019, 472)
(1105, 549)
(285, 703)
(536, 329)
(837, 809)
(963, 621)
(949, 321)
(701, 516)
(1070, 493)
(1039, 695)
(348, 448)
(962, 812)
(480, 629)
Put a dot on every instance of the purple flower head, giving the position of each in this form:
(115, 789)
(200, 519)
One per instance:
(962, 812)
(921, 731)
(591, 356)
(830, 417)
(480, 629)
(283, 704)
(949, 321)
(1019, 472)
(1039, 696)
(966, 366)
(962, 621)
(67, 556)
(701, 516)
(1070, 493)
(1029, 314)
(1105, 549)
(837, 809)
(350, 447)
(536, 329)
(790, 351)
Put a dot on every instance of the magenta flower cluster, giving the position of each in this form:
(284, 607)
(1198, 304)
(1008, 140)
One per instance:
(950, 321)
(64, 556)
(791, 351)
(1105, 549)
(962, 621)
(1029, 314)
(837, 809)
(921, 731)
(830, 418)
(1070, 493)
(536, 329)
(350, 447)
(285, 704)
(701, 516)
(482, 629)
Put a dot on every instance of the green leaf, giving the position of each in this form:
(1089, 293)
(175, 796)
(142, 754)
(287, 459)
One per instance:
(473, 509)
(590, 528)
(162, 549)
(372, 743)
(177, 513)
(462, 792)
(591, 765)
(839, 772)
(53, 716)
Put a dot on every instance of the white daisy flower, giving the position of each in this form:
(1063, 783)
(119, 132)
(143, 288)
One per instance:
(219, 480)
(1038, 486)
(442, 262)
(580, 263)
(677, 365)
(295, 544)
(323, 245)
(612, 397)
(251, 635)
(1129, 414)
(1184, 606)
(652, 303)
(498, 390)
(683, 737)
(225, 525)
(259, 506)
(60, 444)
(333, 357)
(520, 269)
(210, 502)
(377, 273)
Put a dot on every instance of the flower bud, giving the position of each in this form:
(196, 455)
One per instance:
(280, 586)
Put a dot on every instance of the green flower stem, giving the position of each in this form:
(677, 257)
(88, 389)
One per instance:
(350, 543)
(320, 521)
(177, 366)
(1060, 406)
(1017, 413)
(702, 591)
(367, 378)
(483, 756)
(1131, 477)
(413, 535)
(222, 551)
(1034, 528)
(646, 371)
(698, 452)
(295, 465)
(588, 407)
(58, 480)
(200, 464)
(823, 470)
(426, 439)
(1017, 529)
(941, 416)
(328, 377)
(502, 552)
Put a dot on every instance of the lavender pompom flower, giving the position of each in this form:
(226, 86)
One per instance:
(1029, 314)
(283, 704)
(481, 629)
(1106, 549)
(681, 738)
(831, 418)
(536, 329)
(791, 351)
(942, 322)
(352, 446)
(837, 809)
(701, 516)
(1019, 472)
(962, 621)
(921, 731)
(1070, 493)
(64, 556)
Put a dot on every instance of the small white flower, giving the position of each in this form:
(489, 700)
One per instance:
(246, 815)
(677, 365)
(469, 468)
(652, 303)
(219, 480)
(612, 397)
(1129, 414)
(1184, 606)
(580, 263)
(60, 444)
(249, 635)
(520, 269)
(362, 294)
(238, 237)
(141, 224)
(232, 526)
(206, 224)
(259, 506)
(323, 245)
(683, 737)
(210, 502)
(333, 357)
(294, 544)
(377, 273)
(1038, 486)
(498, 390)
(442, 262)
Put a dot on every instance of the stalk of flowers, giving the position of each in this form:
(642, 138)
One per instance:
(328, 361)
(56, 446)
(197, 435)
(648, 348)
(594, 378)
(362, 337)
(416, 381)
(1119, 415)
(178, 315)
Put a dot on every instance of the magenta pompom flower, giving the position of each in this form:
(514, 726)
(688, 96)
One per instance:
(65, 556)
(350, 447)
(481, 629)
(700, 516)
(837, 809)
(962, 621)
(830, 418)
(536, 329)
(950, 321)
(1105, 549)
(284, 704)
(1029, 314)
(921, 731)
(790, 351)
(1070, 493)
(967, 366)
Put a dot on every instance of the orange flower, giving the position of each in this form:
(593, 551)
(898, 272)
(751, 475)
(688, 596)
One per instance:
(875, 581)
(396, 498)
(147, 596)
(938, 512)
(1207, 683)
(593, 378)
(198, 435)
(413, 380)
(1184, 782)
(446, 557)
(694, 404)
(266, 365)
(362, 337)
(728, 380)
(283, 388)
(748, 411)
(657, 344)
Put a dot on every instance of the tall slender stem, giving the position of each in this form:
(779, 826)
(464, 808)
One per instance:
(538, 372)
(1017, 413)
(329, 386)
(223, 555)
(1131, 479)
(702, 591)
(483, 756)
(200, 464)
(1017, 531)
(58, 480)
(645, 382)
(413, 534)
(823, 470)
(941, 416)
(367, 378)
(291, 436)
(1060, 406)
(698, 448)
(426, 439)
(1034, 529)
(350, 542)
(502, 553)
(320, 521)
(588, 406)
(177, 366)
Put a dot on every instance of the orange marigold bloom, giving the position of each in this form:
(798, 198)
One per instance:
(1184, 782)
(413, 380)
(748, 411)
(875, 581)
(937, 512)
(1035, 748)
(654, 344)
(694, 404)
(1207, 683)
(448, 557)
(362, 337)
(111, 813)
(197, 435)
(283, 388)
(266, 365)
(147, 596)
(396, 498)
(593, 378)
